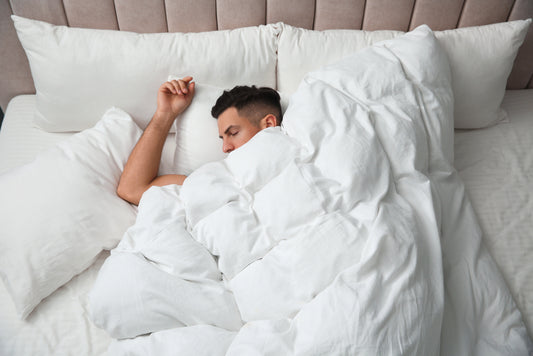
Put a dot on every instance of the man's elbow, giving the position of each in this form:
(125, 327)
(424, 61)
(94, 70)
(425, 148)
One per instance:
(129, 194)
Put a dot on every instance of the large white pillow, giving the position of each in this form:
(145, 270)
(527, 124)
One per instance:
(197, 140)
(58, 212)
(481, 60)
(79, 73)
(301, 51)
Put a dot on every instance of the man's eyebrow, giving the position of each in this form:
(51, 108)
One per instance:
(229, 128)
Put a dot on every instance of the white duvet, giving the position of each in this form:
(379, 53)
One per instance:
(346, 231)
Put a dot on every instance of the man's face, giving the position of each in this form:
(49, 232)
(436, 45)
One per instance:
(234, 130)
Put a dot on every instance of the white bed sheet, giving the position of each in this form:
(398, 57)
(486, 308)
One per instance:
(58, 326)
(496, 165)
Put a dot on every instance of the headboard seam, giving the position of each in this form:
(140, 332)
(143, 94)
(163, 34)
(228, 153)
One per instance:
(65, 11)
(511, 10)
(460, 14)
(166, 14)
(116, 16)
(363, 15)
(266, 11)
(411, 17)
(216, 15)
(314, 16)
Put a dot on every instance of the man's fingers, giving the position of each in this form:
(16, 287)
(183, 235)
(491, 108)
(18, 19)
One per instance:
(169, 87)
(180, 86)
(183, 86)
(176, 87)
(191, 87)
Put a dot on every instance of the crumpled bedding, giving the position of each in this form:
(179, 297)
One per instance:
(347, 231)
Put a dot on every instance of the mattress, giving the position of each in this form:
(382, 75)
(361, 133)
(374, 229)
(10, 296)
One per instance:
(495, 163)
(58, 325)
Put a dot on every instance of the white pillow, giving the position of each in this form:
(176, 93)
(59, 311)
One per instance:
(58, 212)
(79, 73)
(481, 59)
(197, 140)
(301, 51)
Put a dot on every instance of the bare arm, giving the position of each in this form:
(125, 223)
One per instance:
(140, 172)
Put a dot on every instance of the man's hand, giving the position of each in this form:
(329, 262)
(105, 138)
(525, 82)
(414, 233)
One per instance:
(173, 97)
(140, 172)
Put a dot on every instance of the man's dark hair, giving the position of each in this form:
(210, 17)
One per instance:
(251, 102)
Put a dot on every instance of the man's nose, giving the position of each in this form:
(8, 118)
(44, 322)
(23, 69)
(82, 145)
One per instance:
(227, 147)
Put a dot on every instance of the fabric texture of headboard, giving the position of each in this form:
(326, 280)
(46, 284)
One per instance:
(148, 16)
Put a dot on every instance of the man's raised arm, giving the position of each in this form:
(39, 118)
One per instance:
(140, 172)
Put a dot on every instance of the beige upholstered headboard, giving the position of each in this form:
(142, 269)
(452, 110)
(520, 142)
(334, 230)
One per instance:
(208, 15)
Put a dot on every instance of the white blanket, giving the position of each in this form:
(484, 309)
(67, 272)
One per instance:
(345, 232)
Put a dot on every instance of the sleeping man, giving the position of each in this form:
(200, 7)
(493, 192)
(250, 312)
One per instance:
(129, 288)
(241, 112)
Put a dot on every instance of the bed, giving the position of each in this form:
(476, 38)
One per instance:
(91, 90)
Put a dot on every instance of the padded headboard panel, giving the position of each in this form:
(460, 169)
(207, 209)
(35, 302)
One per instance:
(208, 15)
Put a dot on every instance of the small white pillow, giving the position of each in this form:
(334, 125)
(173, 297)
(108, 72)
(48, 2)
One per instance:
(79, 73)
(481, 60)
(58, 212)
(197, 140)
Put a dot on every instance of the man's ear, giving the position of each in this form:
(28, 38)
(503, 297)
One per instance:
(268, 121)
